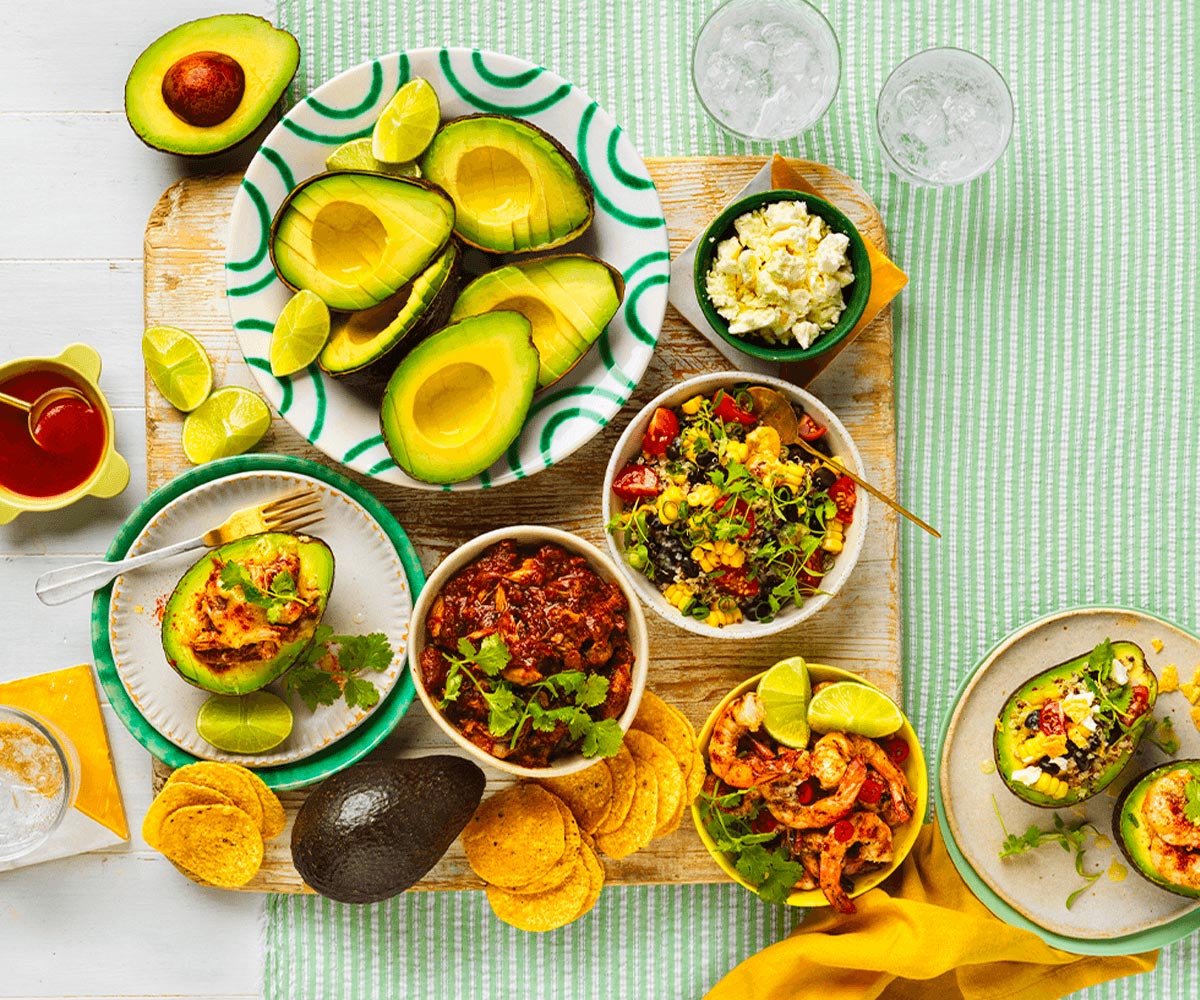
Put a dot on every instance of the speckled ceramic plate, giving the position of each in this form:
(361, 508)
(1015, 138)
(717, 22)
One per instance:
(376, 573)
(629, 232)
(1030, 890)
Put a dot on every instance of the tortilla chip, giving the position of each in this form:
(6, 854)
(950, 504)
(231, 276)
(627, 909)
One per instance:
(638, 829)
(218, 843)
(667, 725)
(621, 768)
(587, 793)
(695, 777)
(596, 876)
(175, 795)
(229, 780)
(645, 748)
(274, 818)
(516, 836)
(544, 911)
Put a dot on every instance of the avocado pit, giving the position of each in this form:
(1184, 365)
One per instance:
(204, 88)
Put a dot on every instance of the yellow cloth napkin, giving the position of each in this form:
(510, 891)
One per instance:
(921, 934)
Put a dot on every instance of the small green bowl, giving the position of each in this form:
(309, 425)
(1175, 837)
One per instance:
(855, 294)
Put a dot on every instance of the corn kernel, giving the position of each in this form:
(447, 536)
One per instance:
(692, 406)
(832, 544)
(667, 504)
(679, 595)
(737, 451)
(704, 495)
(718, 618)
(764, 441)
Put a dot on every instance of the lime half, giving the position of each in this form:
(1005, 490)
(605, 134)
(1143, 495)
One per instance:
(252, 723)
(299, 334)
(356, 155)
(785, 690)
(407, 124)
(232, 420)
(178, 366)
(849, 707)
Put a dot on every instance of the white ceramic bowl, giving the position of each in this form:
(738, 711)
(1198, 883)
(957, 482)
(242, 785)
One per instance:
(629, 448)
(524, 535)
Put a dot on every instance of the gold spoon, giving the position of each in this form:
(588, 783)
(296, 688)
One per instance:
(39, 406)
(776, 411)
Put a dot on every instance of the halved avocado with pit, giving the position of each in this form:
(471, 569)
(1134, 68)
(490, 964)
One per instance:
(515, 188)
(1158, 861)
(356, 238)
(365, 345)
(460, 397)
(1013, 727)
(225, 640)
(208, 84)
(567, 298)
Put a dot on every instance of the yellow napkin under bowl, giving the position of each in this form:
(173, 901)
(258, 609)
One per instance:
(922, 934)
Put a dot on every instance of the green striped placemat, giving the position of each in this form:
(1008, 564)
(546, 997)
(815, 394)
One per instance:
(1047, 401)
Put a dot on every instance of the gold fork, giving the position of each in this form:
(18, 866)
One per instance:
(293, 511)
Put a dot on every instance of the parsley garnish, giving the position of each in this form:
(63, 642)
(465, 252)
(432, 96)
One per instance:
(1069, 838)
(1162, 735)
(773, 873)
(1191, 808)
(509, 712)
(321, 676)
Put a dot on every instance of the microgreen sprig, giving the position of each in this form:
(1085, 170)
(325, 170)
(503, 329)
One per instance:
(1069, 838)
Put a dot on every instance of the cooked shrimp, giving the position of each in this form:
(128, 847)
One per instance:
(742, 717)
(871, 835)
(782, 798)
(1163, 810)
(1177, 865)
(834, 750)
(745, 805)
(805, 847)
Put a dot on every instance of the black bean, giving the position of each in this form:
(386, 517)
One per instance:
(690, 566)
(1033, 720)
(823, 478)
(1047, 765)
(673, 451)
(708, 460)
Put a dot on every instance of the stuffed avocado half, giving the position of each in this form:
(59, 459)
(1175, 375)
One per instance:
(1067, 732)
(243, 614)
(1157, 823)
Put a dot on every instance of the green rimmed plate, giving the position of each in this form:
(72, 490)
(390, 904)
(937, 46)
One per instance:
(359, 740)
(1029, 891)
(629, 232)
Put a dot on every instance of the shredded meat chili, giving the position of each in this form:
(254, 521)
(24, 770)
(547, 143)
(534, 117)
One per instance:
(554, 613)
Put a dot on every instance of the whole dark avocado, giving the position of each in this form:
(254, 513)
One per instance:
(375, 829)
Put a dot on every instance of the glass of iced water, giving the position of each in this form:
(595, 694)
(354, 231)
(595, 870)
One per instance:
(766, 69)
(945, 116)
(38, 779)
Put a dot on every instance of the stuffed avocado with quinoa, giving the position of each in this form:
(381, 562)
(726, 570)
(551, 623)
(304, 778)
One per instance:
(1066, 733)
(729, 518)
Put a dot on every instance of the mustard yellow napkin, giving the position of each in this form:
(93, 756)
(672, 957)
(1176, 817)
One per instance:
(921, 934)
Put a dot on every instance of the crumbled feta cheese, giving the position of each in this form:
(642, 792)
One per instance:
(781, 277)
(1027, 775)
(1120, 672)
(1059, 762)
(1089, 724)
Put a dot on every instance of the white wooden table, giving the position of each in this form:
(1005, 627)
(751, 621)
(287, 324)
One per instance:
(77, 189)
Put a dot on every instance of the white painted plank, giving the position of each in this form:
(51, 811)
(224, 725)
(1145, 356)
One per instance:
(49, 304)
(86, 528)
(76, 56)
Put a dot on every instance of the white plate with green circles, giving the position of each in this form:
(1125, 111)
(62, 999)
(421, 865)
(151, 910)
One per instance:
(629, 232)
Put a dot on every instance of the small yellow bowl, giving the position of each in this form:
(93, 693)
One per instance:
(111, 475)
(904, 836)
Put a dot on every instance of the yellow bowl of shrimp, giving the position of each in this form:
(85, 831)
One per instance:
(869, 814)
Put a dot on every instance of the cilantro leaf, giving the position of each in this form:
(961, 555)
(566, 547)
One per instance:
(603, 739)
(363, 652)
(1192, 808)
(592, 692)
(283, 584)
(360, 693)
(502, 710)
(235, 575)
(316, 687)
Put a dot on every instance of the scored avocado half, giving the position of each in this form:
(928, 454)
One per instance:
(1174, 867)
(356, 238)
(243, 614)
(459, 398)
(366, 345)
(1019, 728)
(208, 84)
(568, 300)
(515, 188)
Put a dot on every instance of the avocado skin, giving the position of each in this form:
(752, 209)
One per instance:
(375, 829)
(1006, 762)
(1129, 832)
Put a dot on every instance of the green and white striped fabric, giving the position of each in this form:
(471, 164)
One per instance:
(1048, 386)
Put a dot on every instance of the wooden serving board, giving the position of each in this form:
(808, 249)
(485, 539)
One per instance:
(859, 631)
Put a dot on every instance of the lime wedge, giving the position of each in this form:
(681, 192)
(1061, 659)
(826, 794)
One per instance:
(299, 334)
(178, 366)
(785, 690)
(252, 723)
(849, 707)
(356, 155)
(232, 420)
(407, 124)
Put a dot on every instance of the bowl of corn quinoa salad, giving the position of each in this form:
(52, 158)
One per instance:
(721, 527)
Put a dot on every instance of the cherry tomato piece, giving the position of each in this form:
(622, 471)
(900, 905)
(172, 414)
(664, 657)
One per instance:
(663, 429)
(870, 792)
(810, 430)
(1050, 719)
(844, 493)
(1137, 704)
(813, 571)
(896, 749)
(735, 581)
(727, 408)
(764, 822)
(843, 830)
(635, 482)
(806, 793)
(740, 511)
